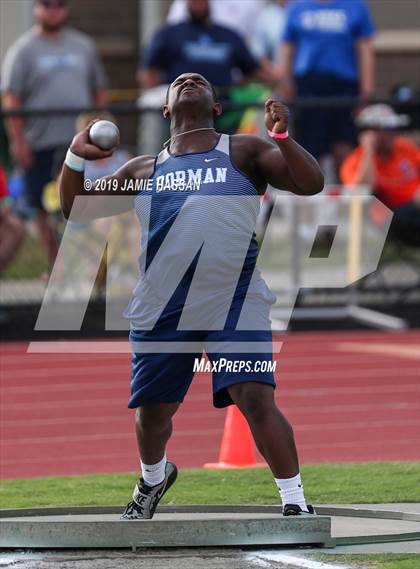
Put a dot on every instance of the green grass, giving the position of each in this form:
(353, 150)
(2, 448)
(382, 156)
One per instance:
(324, 483)
(372, 560)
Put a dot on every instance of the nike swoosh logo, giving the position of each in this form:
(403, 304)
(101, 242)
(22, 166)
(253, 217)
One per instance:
(209, 159)
(160, 493)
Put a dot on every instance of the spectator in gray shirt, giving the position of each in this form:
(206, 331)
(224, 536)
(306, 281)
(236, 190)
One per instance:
(48, 67)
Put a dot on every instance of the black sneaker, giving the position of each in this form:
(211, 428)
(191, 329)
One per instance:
(295, 510)
(146, 498)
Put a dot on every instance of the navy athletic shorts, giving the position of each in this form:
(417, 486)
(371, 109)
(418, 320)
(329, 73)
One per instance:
(166, 377)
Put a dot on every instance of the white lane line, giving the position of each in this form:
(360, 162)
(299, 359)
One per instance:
(125, 420)
(294, 560)
(36, 360)
(392, 350)
(99, 437)
(286, 391)
(304, 407)
(73, 458)
(49, 371)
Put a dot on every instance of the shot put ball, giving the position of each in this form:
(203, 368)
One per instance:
(104, 134)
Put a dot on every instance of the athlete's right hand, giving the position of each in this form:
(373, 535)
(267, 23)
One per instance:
(82, 146)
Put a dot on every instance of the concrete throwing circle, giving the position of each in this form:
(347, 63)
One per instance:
(172, 526)
(197, 526)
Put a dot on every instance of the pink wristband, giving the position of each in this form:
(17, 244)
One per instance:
(280, 135)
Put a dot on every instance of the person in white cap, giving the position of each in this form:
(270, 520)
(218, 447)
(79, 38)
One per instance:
(390, 164)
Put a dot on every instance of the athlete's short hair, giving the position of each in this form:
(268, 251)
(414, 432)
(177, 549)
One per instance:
(212, 89)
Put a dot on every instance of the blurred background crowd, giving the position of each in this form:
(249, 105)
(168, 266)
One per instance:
(347, 68)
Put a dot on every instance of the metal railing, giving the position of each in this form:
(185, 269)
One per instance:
(133, 108)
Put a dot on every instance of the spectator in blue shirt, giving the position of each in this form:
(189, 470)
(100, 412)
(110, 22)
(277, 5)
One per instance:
(327, 52)
(199, 46)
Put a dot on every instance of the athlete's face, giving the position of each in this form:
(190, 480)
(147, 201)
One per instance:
(51, 15)
(191, 89)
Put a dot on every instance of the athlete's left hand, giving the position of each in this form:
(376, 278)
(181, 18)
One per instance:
(276, 116)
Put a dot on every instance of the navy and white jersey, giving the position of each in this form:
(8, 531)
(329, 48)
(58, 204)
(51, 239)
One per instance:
(198, 246)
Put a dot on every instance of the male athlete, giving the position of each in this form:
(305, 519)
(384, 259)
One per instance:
(201, 164)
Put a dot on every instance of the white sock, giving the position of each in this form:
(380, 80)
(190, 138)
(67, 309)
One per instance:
(291, 491)
(153, 473)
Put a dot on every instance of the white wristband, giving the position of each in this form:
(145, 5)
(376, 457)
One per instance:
(74, 162)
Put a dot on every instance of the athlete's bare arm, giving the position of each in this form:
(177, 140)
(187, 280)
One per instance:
(285, 165)
(71, 183)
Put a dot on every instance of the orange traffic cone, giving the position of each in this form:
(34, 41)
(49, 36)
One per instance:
(237, 449)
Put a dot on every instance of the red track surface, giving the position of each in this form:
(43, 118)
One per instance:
(351, 396)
